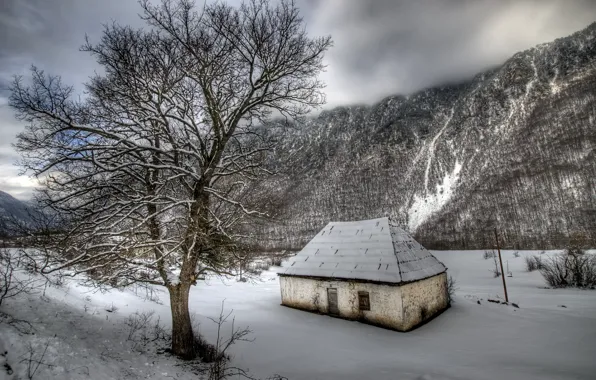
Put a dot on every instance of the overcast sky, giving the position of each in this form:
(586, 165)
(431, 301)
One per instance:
(381, 47)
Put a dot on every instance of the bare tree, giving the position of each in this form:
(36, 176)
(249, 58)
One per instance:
(150, 171)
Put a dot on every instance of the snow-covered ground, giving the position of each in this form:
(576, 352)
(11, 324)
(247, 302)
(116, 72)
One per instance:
(70, 331)
(540, 340)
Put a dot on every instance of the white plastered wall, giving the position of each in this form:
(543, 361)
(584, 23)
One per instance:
(388, 304)
(311, 294)
(423, 299)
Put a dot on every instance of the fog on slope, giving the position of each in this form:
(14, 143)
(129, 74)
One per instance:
(385, 47)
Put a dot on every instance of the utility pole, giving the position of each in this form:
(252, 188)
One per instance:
(501, 262)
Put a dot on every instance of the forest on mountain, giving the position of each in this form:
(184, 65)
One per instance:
(512, 149)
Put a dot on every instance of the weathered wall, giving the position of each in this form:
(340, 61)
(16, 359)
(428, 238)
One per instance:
(310, 294)
(424, 299)
(396, 307)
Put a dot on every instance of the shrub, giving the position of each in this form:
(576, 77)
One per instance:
(259, 265)
(206, 351)
(138, 321)
(573, 268)
(276, 261)
(451, 288)
(496, 271)
(143, 330)
(533, 263)
(489, 254)
(11, 284)
(538, 260)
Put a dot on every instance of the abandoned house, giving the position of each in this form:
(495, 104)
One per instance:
(369, 270)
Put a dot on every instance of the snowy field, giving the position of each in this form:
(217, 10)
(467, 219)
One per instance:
(551, 336)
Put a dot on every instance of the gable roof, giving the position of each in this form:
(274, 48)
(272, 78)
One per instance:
(371, 250)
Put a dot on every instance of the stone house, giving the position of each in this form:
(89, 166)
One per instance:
(369, 270)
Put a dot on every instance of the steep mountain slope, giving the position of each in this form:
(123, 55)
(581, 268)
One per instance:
(12, 210)
(513, 148)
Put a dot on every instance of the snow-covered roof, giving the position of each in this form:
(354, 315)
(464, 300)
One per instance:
(372, 250)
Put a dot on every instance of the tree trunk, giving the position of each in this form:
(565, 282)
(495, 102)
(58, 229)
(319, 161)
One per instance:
(182, 334)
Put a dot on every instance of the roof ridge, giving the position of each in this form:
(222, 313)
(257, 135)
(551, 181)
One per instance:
(391, 233)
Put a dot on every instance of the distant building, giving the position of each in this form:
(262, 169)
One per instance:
(369, 270)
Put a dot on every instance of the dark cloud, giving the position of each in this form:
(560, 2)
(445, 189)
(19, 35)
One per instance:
(381, 47)
(47, 34)
(399, 46)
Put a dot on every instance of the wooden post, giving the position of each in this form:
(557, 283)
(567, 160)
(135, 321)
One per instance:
(501, 262)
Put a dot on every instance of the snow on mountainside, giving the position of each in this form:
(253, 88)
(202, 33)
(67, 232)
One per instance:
(512, 147)
(11, 209)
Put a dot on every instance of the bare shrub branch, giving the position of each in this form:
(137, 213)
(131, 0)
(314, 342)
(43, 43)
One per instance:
(496, 269)
(15, 282)
(489, 254)
(451, 288)
(573, 268)
(33, 362)
(533, 263)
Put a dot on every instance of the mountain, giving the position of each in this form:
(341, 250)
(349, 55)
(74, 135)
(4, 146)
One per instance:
(512, 148)
(12, 210)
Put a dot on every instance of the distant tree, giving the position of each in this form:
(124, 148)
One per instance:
(150, 170)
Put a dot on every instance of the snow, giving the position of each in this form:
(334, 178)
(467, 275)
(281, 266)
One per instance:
(84, 340)
(540, 340)
(555, 87)
(431, 149)
(423, 207)
(529, 86)
(374, 250)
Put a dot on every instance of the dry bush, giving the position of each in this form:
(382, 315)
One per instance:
(538, 260)
(143, 330)
(530, 263)
(260, 265)
(276, 260)
(533, 263)
(13, 284)
(217, 354)
(206, 351)
(451, 288)
(137, 321)
(33, 360)
(496, 270)
(489, 254)
(573, 268)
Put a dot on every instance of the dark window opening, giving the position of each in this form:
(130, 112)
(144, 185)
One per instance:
(332, 301)
(363, 301)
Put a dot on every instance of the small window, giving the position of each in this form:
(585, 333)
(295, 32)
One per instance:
(363, 301)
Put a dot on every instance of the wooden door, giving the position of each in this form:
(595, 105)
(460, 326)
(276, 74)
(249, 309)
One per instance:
(332, 301)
